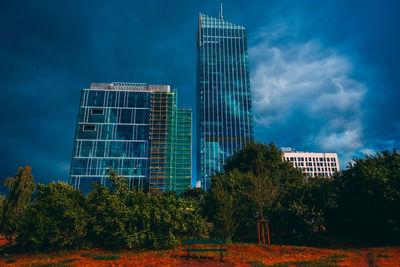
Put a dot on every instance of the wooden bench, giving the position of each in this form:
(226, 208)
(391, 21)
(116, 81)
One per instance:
(206, 242)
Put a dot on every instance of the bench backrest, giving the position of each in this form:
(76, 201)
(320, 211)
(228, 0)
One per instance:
(204, 241)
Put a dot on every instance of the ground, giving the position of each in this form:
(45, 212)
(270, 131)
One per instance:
(237, 255)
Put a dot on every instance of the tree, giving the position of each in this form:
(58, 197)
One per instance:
(124, 218)
(262, 191)
(368, 198)
(108, 216)
(21, 189)
(119, 185)
(261, 183)
(220, 206)
(56, 219)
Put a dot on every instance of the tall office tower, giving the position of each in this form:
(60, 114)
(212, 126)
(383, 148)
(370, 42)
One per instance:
(131, 127)
(224, 117)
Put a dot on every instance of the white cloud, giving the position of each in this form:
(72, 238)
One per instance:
(312, 84)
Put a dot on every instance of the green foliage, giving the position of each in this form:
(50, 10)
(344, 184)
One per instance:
(256, 183)
(115, 217)
(119, 185)
(122, 218)
(108, 215)
(21, 189)
(368, 198)
(196, 195)
(2, 199)
(55, 220)
(220, 206)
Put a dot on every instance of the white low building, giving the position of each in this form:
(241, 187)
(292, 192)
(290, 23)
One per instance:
(314, 164)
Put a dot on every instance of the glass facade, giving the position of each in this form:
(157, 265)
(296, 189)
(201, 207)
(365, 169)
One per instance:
(162, 137)
(224, 117)
(112, 131)
(130, 127)
(183, 151)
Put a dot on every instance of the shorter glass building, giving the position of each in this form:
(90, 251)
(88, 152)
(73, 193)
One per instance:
(183, 151)
(131, 128)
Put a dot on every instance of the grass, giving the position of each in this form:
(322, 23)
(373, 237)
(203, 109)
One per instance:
(256, 264)
(101, 257)
(69, 260)
(330, 261)
(51, 264)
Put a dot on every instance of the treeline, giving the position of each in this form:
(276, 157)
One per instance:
(60, 217)
(360, 202)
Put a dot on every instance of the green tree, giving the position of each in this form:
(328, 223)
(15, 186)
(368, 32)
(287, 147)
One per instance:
(21, 189)
(220, 206)
(368, 198)
(124, 218)
(56, 219)
(119, 184)
(2, 198)
(261, 184)
(108, 216)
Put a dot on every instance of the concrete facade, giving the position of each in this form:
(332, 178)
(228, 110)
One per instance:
(314, 164)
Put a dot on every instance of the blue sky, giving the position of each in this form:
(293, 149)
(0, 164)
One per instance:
(324, 74)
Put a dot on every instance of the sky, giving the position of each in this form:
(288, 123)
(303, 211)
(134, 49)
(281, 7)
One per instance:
(325, 75)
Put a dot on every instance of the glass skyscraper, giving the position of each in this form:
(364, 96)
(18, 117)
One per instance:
(224, 115)
(131, 127)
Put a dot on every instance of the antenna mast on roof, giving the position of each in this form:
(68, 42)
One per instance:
(221, 17)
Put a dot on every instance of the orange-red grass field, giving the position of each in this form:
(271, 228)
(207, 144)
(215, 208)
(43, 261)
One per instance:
(237, 255)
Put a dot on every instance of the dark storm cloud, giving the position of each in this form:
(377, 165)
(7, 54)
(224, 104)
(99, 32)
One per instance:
(327, 69)
(50, 50)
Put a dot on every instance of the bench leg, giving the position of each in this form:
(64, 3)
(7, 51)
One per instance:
(188, 252)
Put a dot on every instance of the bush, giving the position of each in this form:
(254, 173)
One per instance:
(55, 220)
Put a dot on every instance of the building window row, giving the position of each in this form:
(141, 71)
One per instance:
(320, 164)
(310, 159)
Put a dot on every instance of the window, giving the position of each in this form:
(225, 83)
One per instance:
(98, 111)
(89, 127)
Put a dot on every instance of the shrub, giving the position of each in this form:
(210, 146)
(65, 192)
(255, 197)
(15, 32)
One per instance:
(55, 220)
